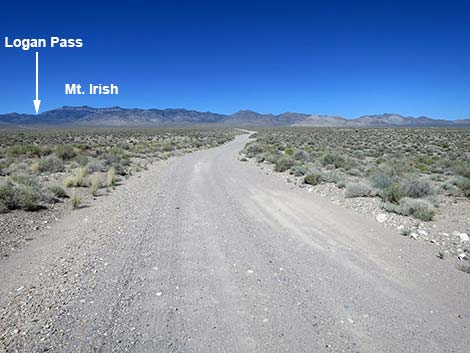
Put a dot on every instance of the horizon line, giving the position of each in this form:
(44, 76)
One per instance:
(241, 110)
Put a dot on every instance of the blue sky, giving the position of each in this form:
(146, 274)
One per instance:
(346, 58)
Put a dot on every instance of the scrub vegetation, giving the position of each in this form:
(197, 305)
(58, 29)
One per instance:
(407, 168)
(39, 168)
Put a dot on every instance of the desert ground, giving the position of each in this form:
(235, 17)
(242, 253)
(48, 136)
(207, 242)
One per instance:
(215, 246)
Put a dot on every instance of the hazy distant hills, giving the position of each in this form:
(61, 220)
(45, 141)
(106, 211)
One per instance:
(383, 120)
(119, 117)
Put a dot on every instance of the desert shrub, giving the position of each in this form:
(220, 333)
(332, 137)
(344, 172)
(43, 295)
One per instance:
(417, 188)
(355, 172)
(25, 150)
(21, 193)
(462, 169)
(260, 158)
(450, 189)
(289, 151)
(27, 197)
(252, 149)
(283, 164)
(418, 208)
(81, 160)
(393, 193)
(301, 155)
(464, 185)
(335, 159)
(313, 178)
(384, 177)
(65, 152)
(51, 164)
(335, 176)
(299, 170)
(95, 166)
(119, 163)
(6, 195)
(58, 192)
(270, 157)
(359, 189)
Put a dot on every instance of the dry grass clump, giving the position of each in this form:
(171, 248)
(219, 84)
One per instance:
(95, 183)
(111, 177)
(75, 200)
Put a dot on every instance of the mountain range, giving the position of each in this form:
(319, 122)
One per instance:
(120, 117)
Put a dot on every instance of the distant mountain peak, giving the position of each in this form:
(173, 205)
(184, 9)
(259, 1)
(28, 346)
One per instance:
(136, 117)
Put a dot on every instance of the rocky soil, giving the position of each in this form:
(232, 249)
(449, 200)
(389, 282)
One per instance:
(448, 233)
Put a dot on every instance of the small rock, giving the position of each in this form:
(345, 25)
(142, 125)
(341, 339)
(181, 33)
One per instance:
(463, 257)
(381, 217)
(464, 237)
(422, 232)
(414, 235)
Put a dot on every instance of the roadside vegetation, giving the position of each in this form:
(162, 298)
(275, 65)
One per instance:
(408, 169)
(39, 168)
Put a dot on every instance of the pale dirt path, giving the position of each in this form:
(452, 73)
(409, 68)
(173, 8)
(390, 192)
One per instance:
(207, 254)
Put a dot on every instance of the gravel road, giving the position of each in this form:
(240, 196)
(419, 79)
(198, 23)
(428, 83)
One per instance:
(204, 253)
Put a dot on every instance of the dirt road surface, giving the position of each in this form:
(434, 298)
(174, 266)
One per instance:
(205, 253)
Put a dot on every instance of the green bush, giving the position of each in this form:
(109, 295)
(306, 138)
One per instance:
(299, 170)
(21, 193)
(359, 189)
(283, 164)
(417, 188)
(313, 179)
(301, 155)
(51, 164)
(260, 158)
(418, 208)
(65, 152)
(335, 159)
(252, 149)
(289, 151)
(463, 169)
(336, 177)
(384, 177)
(464, 185)
(393, 193)
(25, 150)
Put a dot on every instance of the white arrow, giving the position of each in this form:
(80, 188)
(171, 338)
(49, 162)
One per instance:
(37, 102)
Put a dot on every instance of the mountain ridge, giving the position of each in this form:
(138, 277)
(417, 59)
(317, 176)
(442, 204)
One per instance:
(87, 116)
